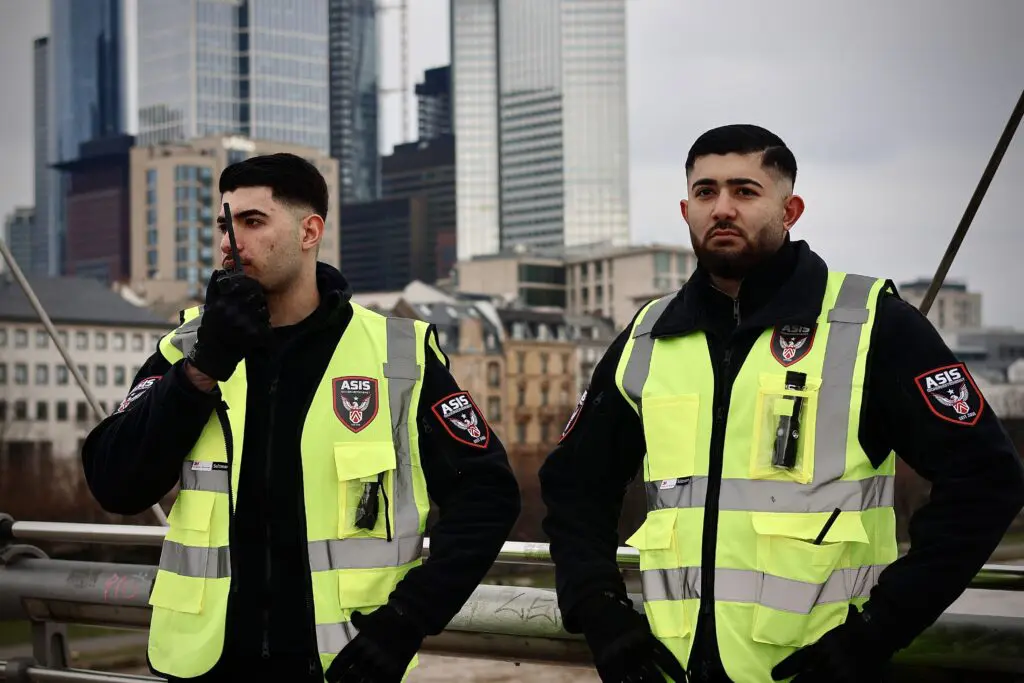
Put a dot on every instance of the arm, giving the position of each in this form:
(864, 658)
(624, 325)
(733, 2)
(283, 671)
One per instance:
(583, 483)
(477, 495)
(976, 476)
(133, 457)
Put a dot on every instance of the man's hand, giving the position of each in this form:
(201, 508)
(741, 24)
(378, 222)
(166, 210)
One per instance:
(381, 652)
(623, 646)
(235, 321)
(847, 654)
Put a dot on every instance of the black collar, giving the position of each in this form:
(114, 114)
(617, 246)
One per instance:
(788, 288)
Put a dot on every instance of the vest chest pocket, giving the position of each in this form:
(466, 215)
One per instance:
(186, 559)
(803, 589)
(366, 474)
(670, 429)
(782, 440)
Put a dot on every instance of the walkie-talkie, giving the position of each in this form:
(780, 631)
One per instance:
(227, 281)
(787, 433)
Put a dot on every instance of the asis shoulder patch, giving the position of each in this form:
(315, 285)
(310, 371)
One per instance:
(355, 401)
(951, 394)
(463, 420)
(790, 343)
(137, 392)
(571, 422)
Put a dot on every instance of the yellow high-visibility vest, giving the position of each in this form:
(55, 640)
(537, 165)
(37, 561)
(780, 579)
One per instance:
(360, 428)
(775, 590)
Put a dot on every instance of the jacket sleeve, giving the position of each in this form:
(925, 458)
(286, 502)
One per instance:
(469, 478)
(133, 457)
(923, 403)
(583, 484)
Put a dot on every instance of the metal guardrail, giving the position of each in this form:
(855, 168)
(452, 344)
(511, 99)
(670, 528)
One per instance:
(982, 632)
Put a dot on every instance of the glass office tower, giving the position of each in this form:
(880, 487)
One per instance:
(210, 67)
(540, 110)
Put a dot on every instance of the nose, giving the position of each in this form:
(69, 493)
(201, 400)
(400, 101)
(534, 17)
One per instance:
(225, 244)
(724, 208)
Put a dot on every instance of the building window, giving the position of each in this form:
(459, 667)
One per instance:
(521, 433)
(101, 376)
(21, 373)
(137, 342)
(101, 341)
(545, 433)
(544, 396)
(521, 362)
(62, 411)
(543, 360)
(119, 378)
(20, 339)
(3, 373)
(81, 411)
(3, 337)
(20, 410)
(493, 374)
(62, 375)
(521, 398)
(119, 341)
(494, 409)
(81, 340)
(42, 411)
(84, 372)
(42, 339)
(42, 375)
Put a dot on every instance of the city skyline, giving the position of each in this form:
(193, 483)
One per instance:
(891, 142)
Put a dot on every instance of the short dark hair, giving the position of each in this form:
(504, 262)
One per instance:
(744, 138)
(291, 179)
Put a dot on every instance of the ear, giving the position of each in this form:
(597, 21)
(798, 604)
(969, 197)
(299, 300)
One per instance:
(311, 232)
(683, 208)
(794, 209)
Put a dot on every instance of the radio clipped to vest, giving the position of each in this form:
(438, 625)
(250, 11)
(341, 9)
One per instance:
(787, 431)
(368, 508)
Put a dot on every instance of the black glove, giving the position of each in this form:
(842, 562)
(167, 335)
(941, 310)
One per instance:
(849, 653)
(235, 321)
(388, 639)
(624, 649)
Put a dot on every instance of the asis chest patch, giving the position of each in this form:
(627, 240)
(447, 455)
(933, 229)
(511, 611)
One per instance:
(355, 401)
(463, 420)
(790, 343)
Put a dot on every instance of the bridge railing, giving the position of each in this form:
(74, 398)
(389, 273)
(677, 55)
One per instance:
(982, 632)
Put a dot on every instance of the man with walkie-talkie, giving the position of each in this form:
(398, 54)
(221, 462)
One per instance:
(308, 436)
(762, 405)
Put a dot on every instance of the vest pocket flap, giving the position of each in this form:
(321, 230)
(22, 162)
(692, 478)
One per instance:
(363, 460)
(656, 533)
(192, 510)
(847, 526)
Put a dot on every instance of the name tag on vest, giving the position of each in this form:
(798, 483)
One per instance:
(201, 466)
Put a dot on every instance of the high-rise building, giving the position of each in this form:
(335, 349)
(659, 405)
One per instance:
(18, 228)
(354, 72)
(427, 168)
(174, 245)
(215, 67)
(380, 242)
(37, 260)
(434, 103)
(89, 94)
(540, 108)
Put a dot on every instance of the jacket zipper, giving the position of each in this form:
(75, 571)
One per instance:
(721, 400)
(267, 552)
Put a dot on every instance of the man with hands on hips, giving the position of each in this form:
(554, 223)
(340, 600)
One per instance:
(305, 564)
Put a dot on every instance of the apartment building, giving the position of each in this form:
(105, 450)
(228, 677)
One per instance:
(954, 308)
(42, 408)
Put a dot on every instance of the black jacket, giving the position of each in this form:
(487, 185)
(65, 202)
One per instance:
(134, 457)
(976, 476)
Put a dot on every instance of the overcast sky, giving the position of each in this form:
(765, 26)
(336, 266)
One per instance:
(892, 109)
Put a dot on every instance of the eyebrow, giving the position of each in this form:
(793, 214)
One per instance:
(732, 182)
(248, 213)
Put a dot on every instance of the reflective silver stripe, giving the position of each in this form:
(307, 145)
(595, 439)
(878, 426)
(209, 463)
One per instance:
(363, 553)
(749, 495)
(402, 373)
(639, 363)
(203, 480)
(845, 323)
(185, 336)
(331, 638)
(750, 586)
(196, 562)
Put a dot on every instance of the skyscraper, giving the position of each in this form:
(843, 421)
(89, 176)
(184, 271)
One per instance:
(37, 259)
(88, 62)
(539, 98)
(212, 67)
(434, 97)
(352, 26)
